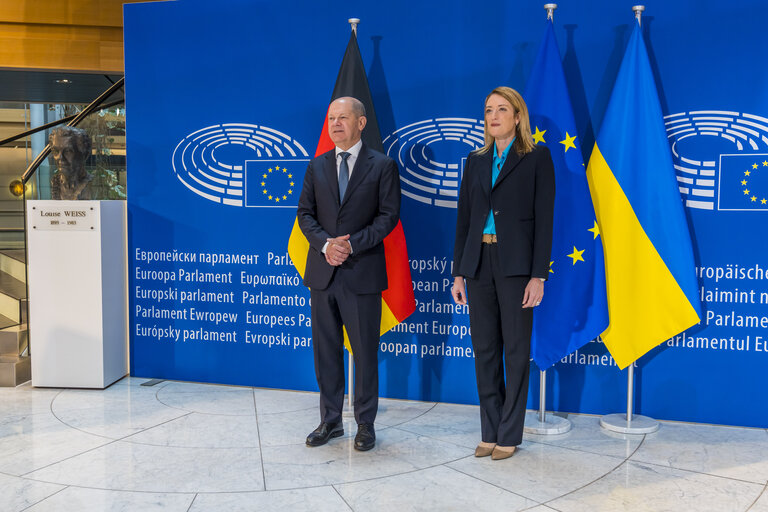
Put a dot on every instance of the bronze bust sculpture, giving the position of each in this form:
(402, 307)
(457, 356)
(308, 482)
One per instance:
(70, 147)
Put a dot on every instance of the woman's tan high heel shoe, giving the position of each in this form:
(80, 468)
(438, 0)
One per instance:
(484, 449)
(502, 452)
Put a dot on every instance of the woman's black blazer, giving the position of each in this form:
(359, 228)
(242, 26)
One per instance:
(523, 202)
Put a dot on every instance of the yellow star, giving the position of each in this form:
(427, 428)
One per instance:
(265, 191)
(291, 183)
(263, 184)
(595, 230)
(269, 197)
(746, 192)
(763, 201)
(290, 191)
(568, 142)
(550, 267)
(277, 199)
(743, 182)
(753, 198)
(269, 170)
(539, 136)
(576, 255)
(765, 163)
(746, 173)
(264, 176)
(290, 175)
(754, 166)
(285, 197)
(285, 170)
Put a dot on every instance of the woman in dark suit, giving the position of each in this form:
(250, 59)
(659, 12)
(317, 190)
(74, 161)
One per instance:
(502, 250)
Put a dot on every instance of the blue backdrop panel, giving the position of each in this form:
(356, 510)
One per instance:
(225, 106)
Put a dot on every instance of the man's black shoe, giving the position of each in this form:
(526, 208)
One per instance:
(365, 438)
(324, 432)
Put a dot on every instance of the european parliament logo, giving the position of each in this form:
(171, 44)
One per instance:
(718, 157)
(431, 155)
(242, 165)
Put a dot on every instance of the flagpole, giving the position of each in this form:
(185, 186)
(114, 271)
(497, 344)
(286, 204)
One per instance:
(537, 422)
(629, 423)
(349, 412)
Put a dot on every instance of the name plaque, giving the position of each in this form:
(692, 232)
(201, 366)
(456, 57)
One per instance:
(64, 217)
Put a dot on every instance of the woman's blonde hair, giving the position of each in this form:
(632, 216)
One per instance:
(523, 139)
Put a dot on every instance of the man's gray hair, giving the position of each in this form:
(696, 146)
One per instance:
(357, 106)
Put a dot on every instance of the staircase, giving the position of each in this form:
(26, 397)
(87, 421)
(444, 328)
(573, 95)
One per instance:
(15, 367)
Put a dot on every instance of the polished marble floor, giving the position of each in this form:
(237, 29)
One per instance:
(195, 447)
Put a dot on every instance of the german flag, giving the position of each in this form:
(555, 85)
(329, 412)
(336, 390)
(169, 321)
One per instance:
(397, 301)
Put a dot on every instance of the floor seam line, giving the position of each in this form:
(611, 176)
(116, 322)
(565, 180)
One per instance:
(431, 437)
(497, 486)
(416, 417)
(153, 426)
(24, 475)
(42, 500)
(333, 486)
(758, 498)
(192, 502)
(99, 435)
(624, 461)
(414, 470)
(579, 450)
(258, 436)
(680, 469)
(696, 472)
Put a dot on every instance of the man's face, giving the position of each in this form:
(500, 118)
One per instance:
(63, 152)
(344, 126)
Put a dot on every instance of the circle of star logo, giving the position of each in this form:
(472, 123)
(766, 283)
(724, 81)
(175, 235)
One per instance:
(748, 194)
(276, 196)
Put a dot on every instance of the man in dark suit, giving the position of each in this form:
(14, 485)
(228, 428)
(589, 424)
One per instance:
(349, 203)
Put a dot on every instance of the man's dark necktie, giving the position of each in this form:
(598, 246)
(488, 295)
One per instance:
(343, 174)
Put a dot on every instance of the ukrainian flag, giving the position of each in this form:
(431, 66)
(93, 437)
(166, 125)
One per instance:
(650, 275)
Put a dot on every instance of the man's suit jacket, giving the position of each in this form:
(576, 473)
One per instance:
(369, 211)
(523, 202)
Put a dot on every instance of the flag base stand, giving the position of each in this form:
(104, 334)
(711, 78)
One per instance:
(551, 425)
(637, 425)
(537, 422)
(629, 423)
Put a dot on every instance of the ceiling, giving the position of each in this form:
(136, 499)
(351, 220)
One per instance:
(41, 86)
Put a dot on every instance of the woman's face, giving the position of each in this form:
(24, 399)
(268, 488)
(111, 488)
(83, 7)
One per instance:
(500, 118)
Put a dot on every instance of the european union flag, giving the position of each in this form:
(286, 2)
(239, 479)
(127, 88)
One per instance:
(574, 309)
(743, 183)
(273, 183)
